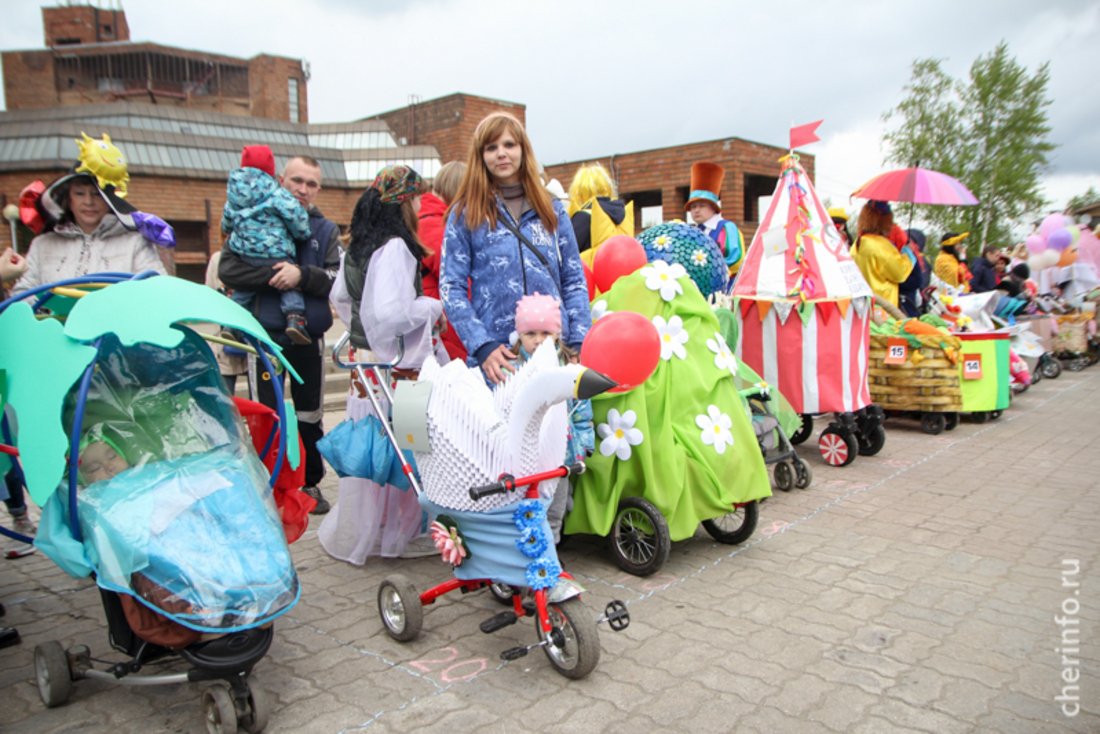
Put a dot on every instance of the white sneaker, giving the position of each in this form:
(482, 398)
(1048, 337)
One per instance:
(420, 547)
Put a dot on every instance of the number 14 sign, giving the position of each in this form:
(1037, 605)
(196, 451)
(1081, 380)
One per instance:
(972, 366)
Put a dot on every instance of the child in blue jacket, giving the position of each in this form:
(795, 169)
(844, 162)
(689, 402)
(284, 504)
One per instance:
(263, 220)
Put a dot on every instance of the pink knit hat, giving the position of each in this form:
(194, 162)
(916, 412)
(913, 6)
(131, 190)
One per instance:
(538, 313)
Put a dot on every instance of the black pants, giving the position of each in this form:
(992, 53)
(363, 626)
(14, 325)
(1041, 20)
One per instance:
(308, 397)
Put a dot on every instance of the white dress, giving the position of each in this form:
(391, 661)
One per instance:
(370, 519)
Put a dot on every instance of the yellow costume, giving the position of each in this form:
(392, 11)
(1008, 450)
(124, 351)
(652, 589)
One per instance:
(603, 228)
(946, 269)
(883, 266)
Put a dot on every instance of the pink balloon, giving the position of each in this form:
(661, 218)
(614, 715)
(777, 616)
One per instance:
(1059, 239)
(1035, 244)
(1051, 223)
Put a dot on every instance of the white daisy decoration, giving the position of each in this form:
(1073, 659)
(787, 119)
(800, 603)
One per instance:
(699, 257)
(619, 434)
(662, 243)
(715, 427)
(673, 337)
(599, 310)
(662, 277)
(723, 357)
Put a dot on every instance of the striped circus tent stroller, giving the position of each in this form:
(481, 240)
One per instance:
(805, 312)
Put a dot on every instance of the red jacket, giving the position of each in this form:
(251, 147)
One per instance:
(432, 211)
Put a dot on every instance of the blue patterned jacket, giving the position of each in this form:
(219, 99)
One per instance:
(262, 218)
(496, 264)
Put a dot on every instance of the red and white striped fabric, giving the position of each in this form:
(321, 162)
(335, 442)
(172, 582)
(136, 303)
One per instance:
(797, 260)
(819, 366)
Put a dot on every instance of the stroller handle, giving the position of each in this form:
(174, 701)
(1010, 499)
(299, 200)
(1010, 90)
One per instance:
(343, 342)
(508, 483)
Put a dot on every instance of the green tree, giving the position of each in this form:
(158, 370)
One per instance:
(990, 132)
(1089, 197)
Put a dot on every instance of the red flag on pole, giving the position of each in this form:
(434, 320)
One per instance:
(805, 134)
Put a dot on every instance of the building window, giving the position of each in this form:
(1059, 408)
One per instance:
(292, 96)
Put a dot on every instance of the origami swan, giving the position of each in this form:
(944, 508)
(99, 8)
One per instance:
(520, 428)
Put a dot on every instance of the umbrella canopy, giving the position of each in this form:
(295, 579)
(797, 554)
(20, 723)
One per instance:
(916, 186)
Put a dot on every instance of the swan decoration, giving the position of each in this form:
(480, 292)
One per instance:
(519, 428)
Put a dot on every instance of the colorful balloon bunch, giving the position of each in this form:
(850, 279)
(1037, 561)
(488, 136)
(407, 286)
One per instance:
(1055, 244)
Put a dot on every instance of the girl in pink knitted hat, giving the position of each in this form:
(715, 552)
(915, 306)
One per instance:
(538, 318)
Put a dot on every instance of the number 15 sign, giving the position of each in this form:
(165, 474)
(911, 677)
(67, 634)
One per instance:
(972, 366)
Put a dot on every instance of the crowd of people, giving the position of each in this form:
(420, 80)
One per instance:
(482, 265)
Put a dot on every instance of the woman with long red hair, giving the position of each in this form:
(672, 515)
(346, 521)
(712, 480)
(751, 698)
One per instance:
(507, 237)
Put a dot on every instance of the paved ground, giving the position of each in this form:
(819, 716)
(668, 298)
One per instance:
(919, 590)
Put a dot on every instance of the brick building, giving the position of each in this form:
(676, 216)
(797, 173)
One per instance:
(658, 180)
(181, 116)
(447, 123)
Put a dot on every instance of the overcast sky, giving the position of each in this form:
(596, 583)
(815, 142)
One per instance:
(614, 76)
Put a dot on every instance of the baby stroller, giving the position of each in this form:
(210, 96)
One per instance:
(149, 469)
(492, 540)
(789, 470)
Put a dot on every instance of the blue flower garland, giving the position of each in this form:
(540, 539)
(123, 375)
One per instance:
(532, 542)
(543, 573)
(529, 514)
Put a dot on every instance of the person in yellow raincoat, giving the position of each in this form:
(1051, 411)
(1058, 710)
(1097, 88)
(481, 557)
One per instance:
(595, 212)
(880, 261)
(948, 265)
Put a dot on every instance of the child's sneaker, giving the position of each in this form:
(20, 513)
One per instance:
(296, 329)
(23, 524)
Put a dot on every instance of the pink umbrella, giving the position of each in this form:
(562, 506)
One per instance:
(916, 186)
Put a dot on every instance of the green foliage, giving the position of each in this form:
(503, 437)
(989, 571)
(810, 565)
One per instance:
(1082, 200)
(989, 131)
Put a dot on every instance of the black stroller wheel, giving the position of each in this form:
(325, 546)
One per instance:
(400, 609)
(803, 431)
(572, 645)
(52, 673)
(259, 709)
(736, 526)
(872, 441)
(933, 423)
(219, 712)
(784, 477)
(803, 475)
(950, 421)
(1051, 369)
(639, 537)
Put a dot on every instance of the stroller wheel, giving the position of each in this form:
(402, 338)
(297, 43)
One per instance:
(736, 526)
(784, 477)
(933, 423)
(52, 673)
(872, 441)
(950, 421)
(218, 710)
(502, 592)
(639, 537)
(803, 476)
(572, 644)
(259, 709)
(995, 414)
(803, 431)
(400, 608)
(838, 448)
(1051, 368)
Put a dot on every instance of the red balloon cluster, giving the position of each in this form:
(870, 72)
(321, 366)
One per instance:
(623, 345)
(618, 256)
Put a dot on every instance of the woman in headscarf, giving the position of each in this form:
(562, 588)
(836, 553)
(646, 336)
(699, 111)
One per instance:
(378, 294)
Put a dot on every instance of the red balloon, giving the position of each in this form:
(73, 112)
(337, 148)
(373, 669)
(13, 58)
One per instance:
(623, 345)
(590, 280)
(618, 256)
